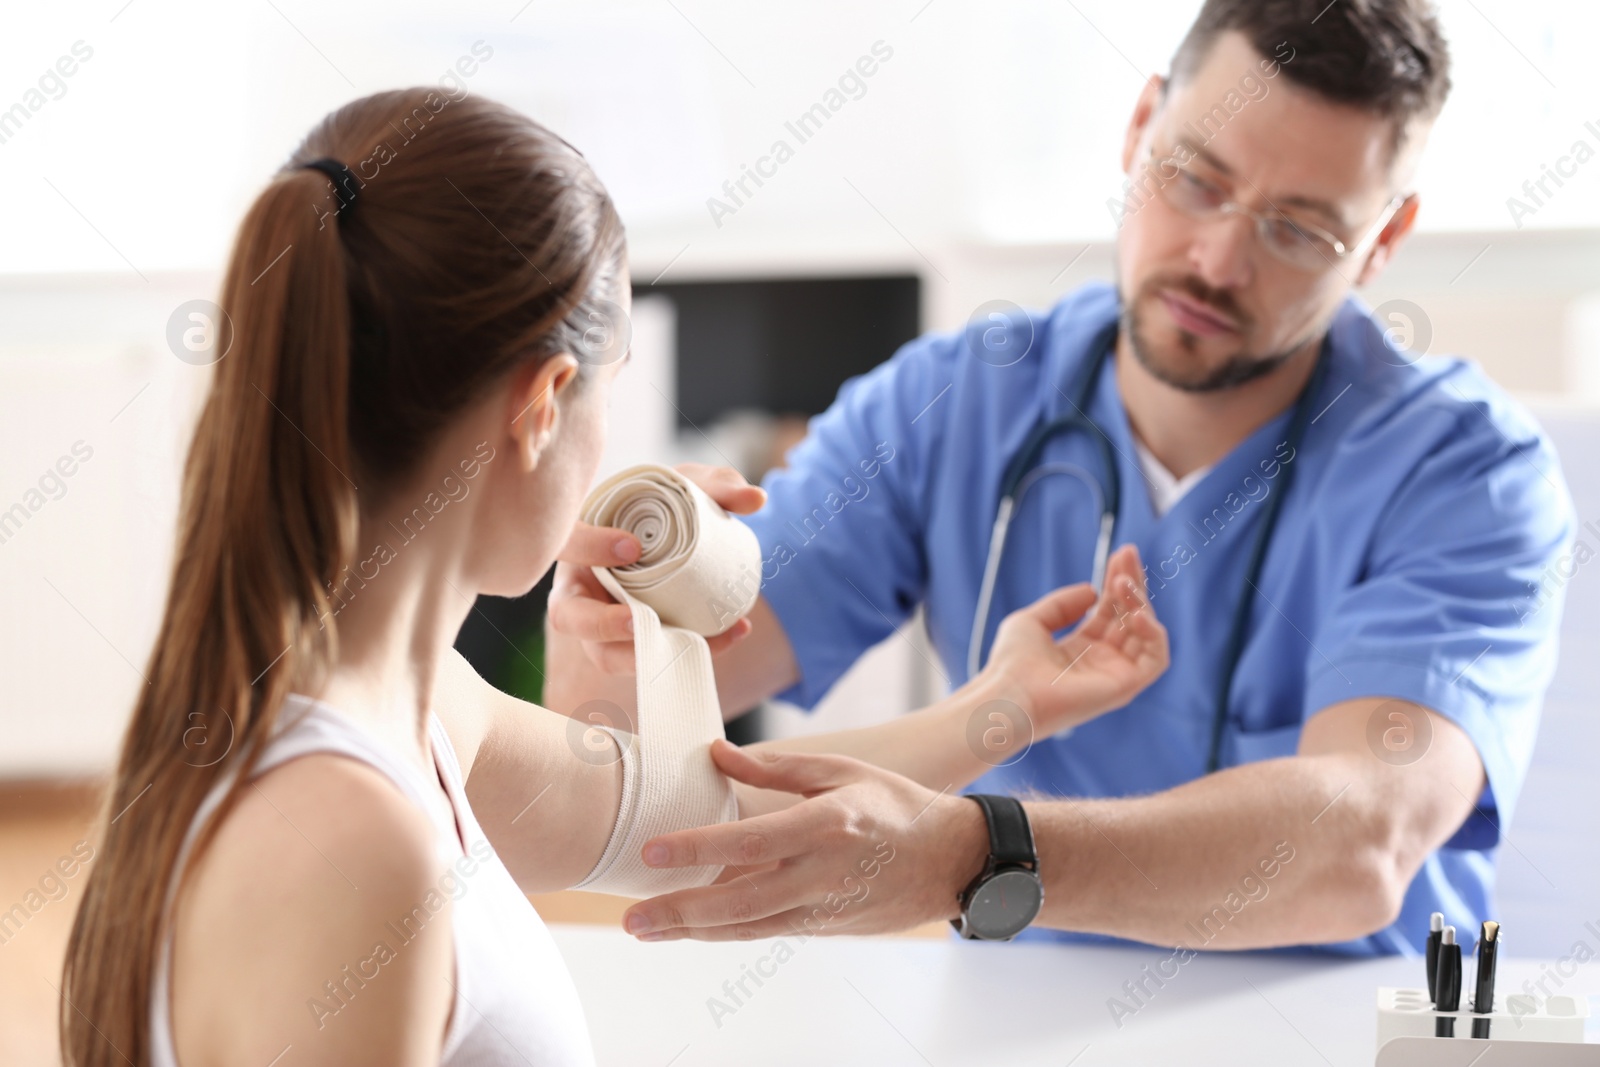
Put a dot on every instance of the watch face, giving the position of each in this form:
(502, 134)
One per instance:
(1004, 905)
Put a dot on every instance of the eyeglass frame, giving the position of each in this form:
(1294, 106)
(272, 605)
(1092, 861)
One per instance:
(1262, 221)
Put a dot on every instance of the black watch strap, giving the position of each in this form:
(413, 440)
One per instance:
(1010, 837)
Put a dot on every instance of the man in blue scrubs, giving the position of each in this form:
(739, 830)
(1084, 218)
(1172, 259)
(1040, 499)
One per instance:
(1383, 711)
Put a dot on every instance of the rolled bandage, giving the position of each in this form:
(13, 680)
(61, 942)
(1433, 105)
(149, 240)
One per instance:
(698, 574)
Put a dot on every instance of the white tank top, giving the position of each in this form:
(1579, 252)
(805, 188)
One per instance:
(514, 1001)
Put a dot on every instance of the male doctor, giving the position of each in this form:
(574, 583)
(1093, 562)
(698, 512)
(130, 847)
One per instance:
(1346, 722)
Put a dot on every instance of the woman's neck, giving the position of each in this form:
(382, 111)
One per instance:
(398, 609)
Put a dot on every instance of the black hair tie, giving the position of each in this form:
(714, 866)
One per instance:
(344, 180)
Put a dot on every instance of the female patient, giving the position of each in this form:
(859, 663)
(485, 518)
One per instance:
(322, 823)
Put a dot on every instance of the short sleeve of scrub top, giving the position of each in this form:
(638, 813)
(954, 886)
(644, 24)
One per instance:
(842, 532)
(1456, 612)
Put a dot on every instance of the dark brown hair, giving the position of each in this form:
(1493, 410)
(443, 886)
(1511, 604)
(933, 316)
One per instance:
(1384, 56)
(477, 241)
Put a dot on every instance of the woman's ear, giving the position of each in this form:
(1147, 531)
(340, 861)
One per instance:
(532, 406)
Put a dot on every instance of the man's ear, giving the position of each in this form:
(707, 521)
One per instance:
(1389, 241)
(532, 408)
(1150, 98)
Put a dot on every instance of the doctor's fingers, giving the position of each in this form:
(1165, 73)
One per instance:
(1131, 601)
(787, 924)
(726, 486)
(817, 826)
(804, 773)
(1124, 563)
(577, 612)
(730, 637)
(1108, 620)
(599, 546)
(618, 657)
(804, 921)
(741, 901)
(1138, 635)
(1154, 654)
(1062, 607)
(580, 607)
(805, 894)
(1124, 600)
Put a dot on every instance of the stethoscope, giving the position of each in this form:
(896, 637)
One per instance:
(1024, 471)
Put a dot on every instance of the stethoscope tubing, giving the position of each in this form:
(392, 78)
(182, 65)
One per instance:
(1024, 471)
(997, 541)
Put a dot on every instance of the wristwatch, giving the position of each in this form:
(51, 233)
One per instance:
(1007, 894)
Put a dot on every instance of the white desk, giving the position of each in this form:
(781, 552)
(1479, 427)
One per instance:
(891, 1001)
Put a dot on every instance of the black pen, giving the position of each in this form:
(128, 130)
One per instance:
(1435, 928)
(1483, 996)
(1449, 982)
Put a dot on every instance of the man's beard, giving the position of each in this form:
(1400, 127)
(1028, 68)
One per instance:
(1236, 370)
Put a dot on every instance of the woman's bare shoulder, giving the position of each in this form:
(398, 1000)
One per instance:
(466, 704)
(315, 920)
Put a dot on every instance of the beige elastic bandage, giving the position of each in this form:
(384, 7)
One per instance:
(698, 574)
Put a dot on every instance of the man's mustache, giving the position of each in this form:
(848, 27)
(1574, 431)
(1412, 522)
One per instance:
(1218, 300)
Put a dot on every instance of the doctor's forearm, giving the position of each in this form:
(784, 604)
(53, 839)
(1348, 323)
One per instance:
(1286, 851)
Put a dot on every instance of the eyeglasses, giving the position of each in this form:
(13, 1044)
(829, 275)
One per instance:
(1298, 244)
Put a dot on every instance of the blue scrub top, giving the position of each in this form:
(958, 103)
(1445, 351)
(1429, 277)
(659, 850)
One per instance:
(1412, 559)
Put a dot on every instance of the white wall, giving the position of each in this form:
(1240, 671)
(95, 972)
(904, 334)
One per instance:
(84, 558)
(992, 123)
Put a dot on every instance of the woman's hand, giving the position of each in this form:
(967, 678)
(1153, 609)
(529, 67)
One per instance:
(1116, 648)
(579, 605)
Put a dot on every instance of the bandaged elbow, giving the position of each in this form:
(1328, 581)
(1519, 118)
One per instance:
(662, 791)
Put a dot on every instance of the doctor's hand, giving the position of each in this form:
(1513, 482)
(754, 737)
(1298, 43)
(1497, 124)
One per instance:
(1116, 647)
(867, 851)
(579, 605)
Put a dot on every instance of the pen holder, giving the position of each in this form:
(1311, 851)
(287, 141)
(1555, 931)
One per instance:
(1407, 1030)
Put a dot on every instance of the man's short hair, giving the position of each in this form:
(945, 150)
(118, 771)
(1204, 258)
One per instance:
(1388, 57)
